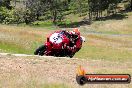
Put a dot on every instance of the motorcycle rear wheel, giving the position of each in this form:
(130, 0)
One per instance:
(40, 50)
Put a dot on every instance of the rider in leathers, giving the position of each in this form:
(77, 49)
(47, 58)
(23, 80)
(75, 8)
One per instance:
(75, 41)
(74, 38)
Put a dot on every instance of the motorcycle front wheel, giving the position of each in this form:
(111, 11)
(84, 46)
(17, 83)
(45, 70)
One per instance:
(40, 50)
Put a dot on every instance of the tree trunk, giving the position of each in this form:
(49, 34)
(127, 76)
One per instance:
(37, 15)
(131, 5)
(54, 16)
(90, 12)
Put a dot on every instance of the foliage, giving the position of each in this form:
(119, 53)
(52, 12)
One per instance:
(6, 16)
(56, 11)
(5, 3)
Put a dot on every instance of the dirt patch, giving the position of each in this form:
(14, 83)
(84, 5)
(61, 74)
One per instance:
(23, 70)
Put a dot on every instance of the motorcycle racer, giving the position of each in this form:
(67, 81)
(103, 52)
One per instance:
(75, 41)
(61, 43)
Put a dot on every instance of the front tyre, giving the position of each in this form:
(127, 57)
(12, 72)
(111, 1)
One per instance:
(71, 55)
(40, 51)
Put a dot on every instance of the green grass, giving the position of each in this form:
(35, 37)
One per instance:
(18, 49)
(34, 84)
(12, 82)
(112, 26)
(47, 24)
(97, 47)
(103, 53)
(55, 86)
(38, 24)
(25, 39)
(14, 48)
(44, 24)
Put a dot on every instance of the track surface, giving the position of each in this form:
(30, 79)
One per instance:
(19, 69)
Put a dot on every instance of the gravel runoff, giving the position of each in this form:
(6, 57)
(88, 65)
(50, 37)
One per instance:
(57, 69)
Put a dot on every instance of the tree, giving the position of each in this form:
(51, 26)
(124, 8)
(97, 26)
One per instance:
(6, 3)
(96, 7)
(131, 4)
(34, 9)
(57, 7)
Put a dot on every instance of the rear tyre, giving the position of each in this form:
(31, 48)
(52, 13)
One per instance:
(40, 51)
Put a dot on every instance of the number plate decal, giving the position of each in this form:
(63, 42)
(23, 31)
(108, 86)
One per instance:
(56, 38)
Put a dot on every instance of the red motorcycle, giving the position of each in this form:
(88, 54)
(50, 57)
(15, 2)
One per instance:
(56, 45)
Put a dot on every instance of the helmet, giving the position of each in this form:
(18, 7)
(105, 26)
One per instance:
(76, 33)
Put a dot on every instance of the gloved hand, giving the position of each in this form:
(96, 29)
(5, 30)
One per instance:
(72, 49)
(64, 46)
